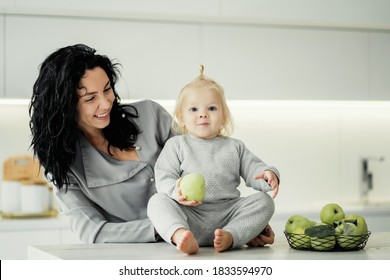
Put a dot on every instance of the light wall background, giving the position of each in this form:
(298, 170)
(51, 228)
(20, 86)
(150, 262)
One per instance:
(257, 49)
(317, 146)
(307, 80)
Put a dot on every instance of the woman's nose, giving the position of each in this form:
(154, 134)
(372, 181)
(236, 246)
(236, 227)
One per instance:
(105, 101)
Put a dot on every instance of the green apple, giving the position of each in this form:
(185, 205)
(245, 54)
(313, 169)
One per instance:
(344, 236)
(331, 213)
(360, 222)
(350, 233)
(193, 186)
(297, 224)
(345, 228)
(299, 240)
(323, 243)
(348, 242)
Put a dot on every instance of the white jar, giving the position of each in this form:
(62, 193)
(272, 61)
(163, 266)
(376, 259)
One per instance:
(34, 198)
(10, 197)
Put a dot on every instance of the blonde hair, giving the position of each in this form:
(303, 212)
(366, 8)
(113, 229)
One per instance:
(203, 82)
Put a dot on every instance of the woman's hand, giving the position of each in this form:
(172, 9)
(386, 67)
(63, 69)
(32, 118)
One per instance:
(182, 198)
(272, 180)
(267, 236)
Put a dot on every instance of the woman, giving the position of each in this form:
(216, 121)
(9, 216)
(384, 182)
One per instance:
(98, 153)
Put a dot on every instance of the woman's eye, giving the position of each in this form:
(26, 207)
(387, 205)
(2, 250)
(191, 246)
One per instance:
(90, 99)
(107, 89)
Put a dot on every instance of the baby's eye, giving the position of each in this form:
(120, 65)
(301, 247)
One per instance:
(193, 109)
(213, 108)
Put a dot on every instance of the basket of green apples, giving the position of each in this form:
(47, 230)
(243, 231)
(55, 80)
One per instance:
(336, 231)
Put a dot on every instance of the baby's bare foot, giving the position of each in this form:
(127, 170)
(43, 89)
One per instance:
(185, 241)
(223, 240)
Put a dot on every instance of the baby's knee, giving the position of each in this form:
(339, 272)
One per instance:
(264, 202)
(156, 200)
(269, 202)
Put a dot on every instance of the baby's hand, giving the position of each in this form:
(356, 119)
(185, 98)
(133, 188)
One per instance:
(182, 198)
(270, 179)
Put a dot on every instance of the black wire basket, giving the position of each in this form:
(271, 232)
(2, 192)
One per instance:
(327, 243)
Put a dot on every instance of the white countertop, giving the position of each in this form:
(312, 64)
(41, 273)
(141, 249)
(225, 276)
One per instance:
(377, 248)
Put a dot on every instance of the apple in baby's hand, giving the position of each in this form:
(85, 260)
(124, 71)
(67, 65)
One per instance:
(193, 187)
(331, 213)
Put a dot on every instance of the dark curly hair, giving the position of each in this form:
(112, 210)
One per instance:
(53, 115)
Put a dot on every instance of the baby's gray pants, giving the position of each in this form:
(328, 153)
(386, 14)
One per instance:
(243, 217)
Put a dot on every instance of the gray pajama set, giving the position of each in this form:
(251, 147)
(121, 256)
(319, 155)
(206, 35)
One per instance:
(223, 161)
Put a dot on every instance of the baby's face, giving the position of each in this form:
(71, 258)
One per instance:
(202, 112)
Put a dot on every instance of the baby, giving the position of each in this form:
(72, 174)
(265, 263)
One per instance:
(224, 219)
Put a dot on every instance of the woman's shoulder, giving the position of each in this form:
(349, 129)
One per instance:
(150, 109)
(145, 104)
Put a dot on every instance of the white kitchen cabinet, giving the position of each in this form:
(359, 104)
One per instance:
(288, 63)
(17, 234)
(157, 58)
(252, 60)
(14, 244)
(379, 66)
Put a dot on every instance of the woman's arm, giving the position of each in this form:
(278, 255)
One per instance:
(92, 227)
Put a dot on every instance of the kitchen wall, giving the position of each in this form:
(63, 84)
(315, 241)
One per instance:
(317, 145)
(314, 75)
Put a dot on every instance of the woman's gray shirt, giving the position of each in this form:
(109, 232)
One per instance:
(107, 199)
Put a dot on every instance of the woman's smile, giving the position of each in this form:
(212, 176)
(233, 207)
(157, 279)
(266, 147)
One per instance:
(103, 116)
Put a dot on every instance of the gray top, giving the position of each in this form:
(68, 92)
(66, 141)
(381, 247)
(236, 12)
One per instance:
(222, 161)
(107, 199)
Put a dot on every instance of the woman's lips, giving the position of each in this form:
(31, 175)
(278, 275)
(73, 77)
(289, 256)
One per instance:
(103, 116)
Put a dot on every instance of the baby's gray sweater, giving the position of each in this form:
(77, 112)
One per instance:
(221, 160)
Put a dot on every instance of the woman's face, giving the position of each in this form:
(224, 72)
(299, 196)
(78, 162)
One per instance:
(95, 101)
